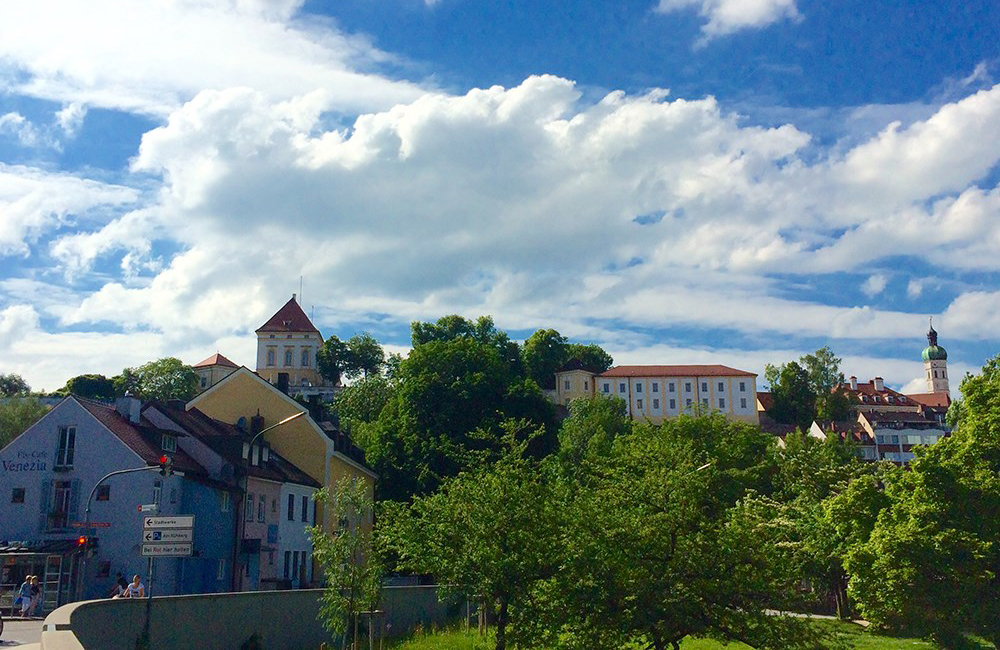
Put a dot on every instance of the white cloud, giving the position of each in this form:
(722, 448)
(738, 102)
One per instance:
(874, 285)
(70, 118)
(914, 288)
(16, 125)
(151, 57)
(728, 16)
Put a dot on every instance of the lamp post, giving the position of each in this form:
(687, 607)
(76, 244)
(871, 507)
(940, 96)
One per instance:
(246, 483)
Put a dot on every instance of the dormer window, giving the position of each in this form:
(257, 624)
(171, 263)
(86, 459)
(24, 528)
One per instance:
(168, 442)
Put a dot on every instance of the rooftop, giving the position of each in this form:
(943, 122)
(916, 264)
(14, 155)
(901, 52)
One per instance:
(290, 318)
(676, 371)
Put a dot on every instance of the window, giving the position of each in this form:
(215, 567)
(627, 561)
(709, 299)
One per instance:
(220, 571)
(271, 354)
(607, 387)
(157, 490)
(104, 568)
(261, 507)
(687, 402)
(291, 507)
(17, 495)
(935, 374)
(880, 439)
(704, 402)
(204, 381)
(722, 386)
(895, 440)
(743, 402)
(704, 386)
(288, 563)
(743, 386)
(305, 508)
(315, 506)
(270, 558)
(566, 384)
(288, 357)
(621, 387)
(673, 404)
(295, 565)
(670, 387)
(656, 387)
(67, 446)
(63, 497)
(722, 402)
(687, 387)
(168, 442)
(274, 505)
(656, 404)
(103, 493)
(586, 385)
(305, 357)
(638, 388)
(248, 510)
(638, 404)
(223, 500)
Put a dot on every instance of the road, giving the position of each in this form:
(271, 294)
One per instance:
(21, 634)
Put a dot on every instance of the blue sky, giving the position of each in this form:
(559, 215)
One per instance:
(681, 181)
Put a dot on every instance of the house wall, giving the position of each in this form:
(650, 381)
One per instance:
(659, 398)
(293, 559)
(297, 342)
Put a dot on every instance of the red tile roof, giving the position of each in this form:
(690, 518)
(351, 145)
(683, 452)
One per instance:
(289, 318)
(933, 400)
(215, 360)
(142, 438)
(868, 389)
(676, 371)
(766, 400)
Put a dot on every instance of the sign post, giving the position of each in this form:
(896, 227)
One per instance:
(168, 536)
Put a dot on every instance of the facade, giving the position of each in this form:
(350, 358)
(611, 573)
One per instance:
(213, 370)
(49, 473)
(896, 433)
(287, 348)
(935, 364)
(656, 393)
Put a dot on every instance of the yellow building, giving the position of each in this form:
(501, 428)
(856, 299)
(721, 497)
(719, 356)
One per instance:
(655, 393)
(287, 348)
(213, 370)
(326, 456)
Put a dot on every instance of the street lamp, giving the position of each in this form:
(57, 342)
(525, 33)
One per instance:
(246, 484)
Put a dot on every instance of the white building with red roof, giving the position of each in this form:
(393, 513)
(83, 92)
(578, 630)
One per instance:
(659, 392)
(287, 348)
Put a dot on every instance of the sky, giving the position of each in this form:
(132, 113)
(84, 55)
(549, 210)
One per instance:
(680, 181)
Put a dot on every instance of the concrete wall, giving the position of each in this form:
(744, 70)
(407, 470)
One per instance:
(286, 620)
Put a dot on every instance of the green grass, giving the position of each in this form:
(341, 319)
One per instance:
(845, 636)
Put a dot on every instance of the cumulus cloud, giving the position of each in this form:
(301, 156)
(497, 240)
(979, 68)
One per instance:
(874, 285)
(728, 16)
(21, 129)
(914, 288)
(70, 118)
(152, 57)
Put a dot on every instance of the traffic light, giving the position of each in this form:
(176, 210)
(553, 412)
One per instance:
(81, 543)
(166, 468)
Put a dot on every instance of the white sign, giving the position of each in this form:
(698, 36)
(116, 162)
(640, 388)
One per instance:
(179, 549)
(168, 535)
(182, 521)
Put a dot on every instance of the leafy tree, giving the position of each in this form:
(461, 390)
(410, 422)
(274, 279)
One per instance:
(392, 363)
(482, 330)
(543, 353)
(824, 372)
(668, 541)
(351, 559)
(931, 563)
(794, 397)
(17, 414)
(491, 532)
(590, 355)
(363, 400)
(591, 429)
(334, 360)
(13, 385)
(164, 379)
(91, 386)
(366, 356)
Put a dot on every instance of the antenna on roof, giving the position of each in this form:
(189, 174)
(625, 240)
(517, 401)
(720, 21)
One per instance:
(300, 288)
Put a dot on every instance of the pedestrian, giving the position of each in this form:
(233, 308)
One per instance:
(24, 596)
(36, 596)
(135, 589)
(119, 587)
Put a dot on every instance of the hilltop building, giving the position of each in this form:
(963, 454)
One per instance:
(656, 393)
(935, 364)
(213, 370)
(287, 348)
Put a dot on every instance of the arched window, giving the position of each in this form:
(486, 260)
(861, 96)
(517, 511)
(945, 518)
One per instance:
(270, 356)
(288, 356)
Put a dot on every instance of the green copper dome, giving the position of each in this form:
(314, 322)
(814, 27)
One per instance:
(935, 353)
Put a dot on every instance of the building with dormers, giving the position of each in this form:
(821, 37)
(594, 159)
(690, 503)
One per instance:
(656, 393)
(287, 348)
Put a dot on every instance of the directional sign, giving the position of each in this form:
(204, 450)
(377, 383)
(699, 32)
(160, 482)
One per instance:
(181, 521)
(168, 535)
(179, 549)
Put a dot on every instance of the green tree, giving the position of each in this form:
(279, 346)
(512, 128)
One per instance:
(669, 541)
(482, 330)
(91, 386)
(543, 353)
(932, 562)
(13, 385)
(164, 379)
(392, 363)
(490, 532)
(363, 400)
(17, 414)
(591, 429)
(590, 355)
(824, 372)
(351, 559)
(794, 397)
(366, 356)
(334, 360)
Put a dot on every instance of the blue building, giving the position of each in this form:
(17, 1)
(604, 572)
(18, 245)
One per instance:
(47, 474)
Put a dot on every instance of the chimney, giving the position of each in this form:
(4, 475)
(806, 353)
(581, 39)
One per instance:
(129, 408)
(854, 383)
(256, 424)
(879, 386)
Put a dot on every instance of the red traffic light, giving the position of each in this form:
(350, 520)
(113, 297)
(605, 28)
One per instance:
(82, 541)
(164, 460)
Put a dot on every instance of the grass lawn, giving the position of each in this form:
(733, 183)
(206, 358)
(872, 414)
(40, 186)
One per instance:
(845, 636)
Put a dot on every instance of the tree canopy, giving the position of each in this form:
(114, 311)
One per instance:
(17, 414)
(13, 385)
(164, 379)
(91, 386)
(547, 350)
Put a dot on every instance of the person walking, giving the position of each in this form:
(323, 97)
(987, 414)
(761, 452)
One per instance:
(36, 596)
(24, 596)
(135, 589)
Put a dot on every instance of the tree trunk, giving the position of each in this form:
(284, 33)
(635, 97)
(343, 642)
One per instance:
(840, 594)
(502, 626)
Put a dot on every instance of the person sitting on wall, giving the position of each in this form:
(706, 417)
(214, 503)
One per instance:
(135, 589)
(119, 587)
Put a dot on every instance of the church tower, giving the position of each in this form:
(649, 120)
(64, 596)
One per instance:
(936, 364)
(287, 345)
